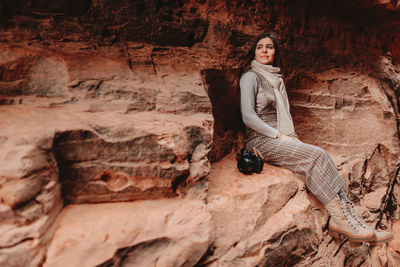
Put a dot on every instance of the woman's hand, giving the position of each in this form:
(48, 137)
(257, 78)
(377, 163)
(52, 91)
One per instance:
(284, 136)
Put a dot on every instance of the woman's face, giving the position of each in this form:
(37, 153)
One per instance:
(265, 51)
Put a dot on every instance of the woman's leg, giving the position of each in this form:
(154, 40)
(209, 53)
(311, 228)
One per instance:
(321, 177)
(343, 195)
(314, 163)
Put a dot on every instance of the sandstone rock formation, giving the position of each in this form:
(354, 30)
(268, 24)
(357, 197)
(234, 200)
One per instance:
(274, 222)
(96, 153)
(119, 122)
(143, 233)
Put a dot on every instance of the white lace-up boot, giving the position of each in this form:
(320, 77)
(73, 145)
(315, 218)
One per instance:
(379, 236)
(343, 223)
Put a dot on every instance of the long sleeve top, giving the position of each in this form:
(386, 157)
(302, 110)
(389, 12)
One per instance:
(250, 101)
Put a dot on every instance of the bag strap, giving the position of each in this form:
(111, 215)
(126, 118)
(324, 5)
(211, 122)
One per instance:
(257, 153)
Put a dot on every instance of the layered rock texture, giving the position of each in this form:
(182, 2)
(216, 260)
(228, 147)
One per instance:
(119, 123)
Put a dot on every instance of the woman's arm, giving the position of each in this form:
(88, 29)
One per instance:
(248, 89)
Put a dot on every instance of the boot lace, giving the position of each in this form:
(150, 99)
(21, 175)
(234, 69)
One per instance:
(349, 218)
(357, 216)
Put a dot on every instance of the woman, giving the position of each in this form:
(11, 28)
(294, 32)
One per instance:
(269, 128)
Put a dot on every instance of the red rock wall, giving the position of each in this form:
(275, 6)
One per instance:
(108, 101)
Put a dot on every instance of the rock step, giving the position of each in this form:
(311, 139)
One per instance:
(145, 233)
(271, 206)
(142, 151)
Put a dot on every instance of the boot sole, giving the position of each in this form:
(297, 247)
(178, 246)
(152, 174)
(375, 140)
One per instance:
(381, 241)
(375, 241)
(337, 234)
(353, 243)
(357, 242)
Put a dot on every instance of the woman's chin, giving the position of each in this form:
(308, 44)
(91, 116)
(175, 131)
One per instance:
(265, 62)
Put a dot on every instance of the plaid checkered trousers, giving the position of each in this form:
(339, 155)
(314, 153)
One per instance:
(314, 163)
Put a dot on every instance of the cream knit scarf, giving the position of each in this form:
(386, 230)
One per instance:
(274, 79)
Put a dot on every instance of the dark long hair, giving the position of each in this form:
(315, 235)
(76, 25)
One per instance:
(278, 61)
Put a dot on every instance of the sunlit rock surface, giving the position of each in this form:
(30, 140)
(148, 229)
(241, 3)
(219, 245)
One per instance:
(143, 233)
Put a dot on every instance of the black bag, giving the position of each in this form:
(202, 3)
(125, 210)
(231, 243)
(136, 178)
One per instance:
(249, 161)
